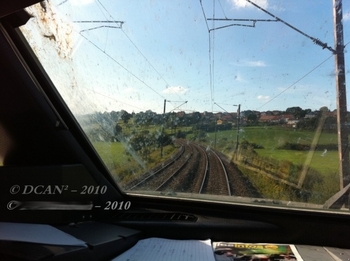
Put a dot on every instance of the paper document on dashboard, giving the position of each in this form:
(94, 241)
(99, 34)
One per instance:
(38, 234)
(227, 251)
(160, 249)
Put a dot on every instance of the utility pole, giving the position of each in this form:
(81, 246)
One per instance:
(343, 139)
(163, 123)
(216, 130)
(238, 121)
(162, 133)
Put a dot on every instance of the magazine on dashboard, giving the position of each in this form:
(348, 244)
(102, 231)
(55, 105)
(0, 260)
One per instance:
(232, 251)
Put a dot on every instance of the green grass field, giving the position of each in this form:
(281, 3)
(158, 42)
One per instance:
(328, 163)
(111, 152)
(127, 164)
(271, 138)
(124, 165)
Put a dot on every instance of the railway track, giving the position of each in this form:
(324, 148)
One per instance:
(216, 179)
(185, 179)
(196, 169)
(147, 177)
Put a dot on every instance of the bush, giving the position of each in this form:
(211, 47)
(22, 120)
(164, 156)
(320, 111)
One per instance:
(312, 178)
(305, 147)
(293, 146)
(180, 134)
(246, 144)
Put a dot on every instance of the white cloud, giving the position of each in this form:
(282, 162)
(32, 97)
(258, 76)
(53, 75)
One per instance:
(244, 4)
(263, 97)
(256, 63)
(250, 63)
(175, 89)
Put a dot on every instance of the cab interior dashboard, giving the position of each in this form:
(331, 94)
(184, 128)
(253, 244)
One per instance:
(56, 183)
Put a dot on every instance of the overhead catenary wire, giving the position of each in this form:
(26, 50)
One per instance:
(98, 27)
(122, 66)
(254, 21)
(117, 26)
(315, 40)
(205, 17)
(213, 59)
(293, 84)
(178, 105)
(299, 79)
(132, 42)
(211, 36)
(209, 53)
(167, 84)
(113, 99)
(108, 55)
(135, 46)
(119, 23)
(222, 9)
(113, 59)
(276, 19)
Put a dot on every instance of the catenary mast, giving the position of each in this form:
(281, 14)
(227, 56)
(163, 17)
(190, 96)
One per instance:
(343, 133)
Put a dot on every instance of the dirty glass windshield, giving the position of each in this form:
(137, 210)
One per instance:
(228, 100)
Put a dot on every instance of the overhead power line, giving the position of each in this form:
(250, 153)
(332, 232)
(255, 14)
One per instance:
(213, 60)
(138, 49)
(254, 21)
(315, 40)
(293, 84)
(118, 24)
(277, 19)
(222, 9)
(210, 53)
(205, 17)
(122, 66)
(167, 84)
(178, 106)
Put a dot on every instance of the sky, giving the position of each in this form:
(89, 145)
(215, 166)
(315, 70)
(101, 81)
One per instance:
(169, 50)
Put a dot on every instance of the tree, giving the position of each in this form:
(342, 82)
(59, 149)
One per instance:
(252, 118)
(297, 112)
(180, 134)
(193, 118)
(125, 116)
(324, 109)
(118, 129)
(114, 116)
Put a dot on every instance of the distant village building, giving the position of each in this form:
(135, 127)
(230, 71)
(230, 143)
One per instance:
(292, 123)
(311, 115)
(282, 118)
(180, 114)
(269, 118)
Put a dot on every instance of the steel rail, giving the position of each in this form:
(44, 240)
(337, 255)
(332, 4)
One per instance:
(160, 169)
(224, 170)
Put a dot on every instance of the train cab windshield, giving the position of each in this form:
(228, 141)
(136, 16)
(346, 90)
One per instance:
(234, 101)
